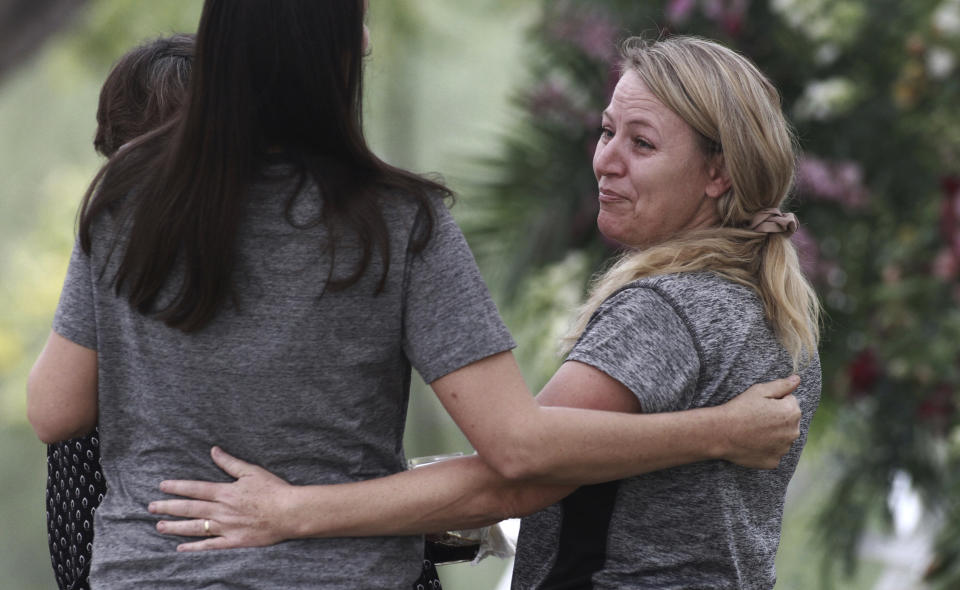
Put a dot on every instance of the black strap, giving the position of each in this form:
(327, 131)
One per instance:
(582, 548)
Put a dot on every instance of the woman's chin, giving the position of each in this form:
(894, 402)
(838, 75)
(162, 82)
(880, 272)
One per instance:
(614, 235)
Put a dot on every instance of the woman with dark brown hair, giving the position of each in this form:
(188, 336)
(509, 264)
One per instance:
(250, 274)
(144, 89)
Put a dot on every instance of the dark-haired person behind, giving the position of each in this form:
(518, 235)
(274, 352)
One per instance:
(251, 275)
(144, 89)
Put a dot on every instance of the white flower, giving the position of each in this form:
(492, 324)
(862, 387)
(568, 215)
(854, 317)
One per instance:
(940, 62)
(824, 98)
(946, 19)
(788, 10)
(827, 54)
(824, 21)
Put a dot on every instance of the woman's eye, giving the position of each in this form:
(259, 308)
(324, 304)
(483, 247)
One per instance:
(642, 143)
(605, 132)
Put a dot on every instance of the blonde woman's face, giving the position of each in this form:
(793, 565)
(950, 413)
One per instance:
(654, 180)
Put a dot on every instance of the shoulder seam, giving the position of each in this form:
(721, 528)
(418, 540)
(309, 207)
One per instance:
(680, 314)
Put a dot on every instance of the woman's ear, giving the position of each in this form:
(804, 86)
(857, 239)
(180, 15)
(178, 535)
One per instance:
(718, 182)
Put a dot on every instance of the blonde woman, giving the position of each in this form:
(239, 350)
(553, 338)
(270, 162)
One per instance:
(693, 163)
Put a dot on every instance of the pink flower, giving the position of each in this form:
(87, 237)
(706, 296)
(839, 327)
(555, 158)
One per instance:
(727, 14)
(808, 251)
(678, 11)
(550, 101)
(840, 181)
(548, 98)
(945, 265)
(591, 30)
(815, 267)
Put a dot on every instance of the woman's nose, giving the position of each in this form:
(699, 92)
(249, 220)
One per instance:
(607, 160)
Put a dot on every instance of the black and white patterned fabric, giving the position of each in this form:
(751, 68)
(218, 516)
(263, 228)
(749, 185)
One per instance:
(75, 488)
(429, 579)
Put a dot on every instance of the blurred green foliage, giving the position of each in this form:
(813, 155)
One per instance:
(47, 113)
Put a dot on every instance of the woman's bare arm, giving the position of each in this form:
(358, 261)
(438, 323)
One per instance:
(62, 390)
(261, 509)
(524, 440)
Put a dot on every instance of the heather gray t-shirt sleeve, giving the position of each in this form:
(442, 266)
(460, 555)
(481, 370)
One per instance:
(449, 319)
(637, 337)
(75, 318)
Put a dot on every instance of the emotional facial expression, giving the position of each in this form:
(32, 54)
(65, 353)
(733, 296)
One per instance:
(654, 179)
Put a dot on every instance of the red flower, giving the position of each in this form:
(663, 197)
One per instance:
(863, 372)
(937, 407)
(950, 184)
(950, 213)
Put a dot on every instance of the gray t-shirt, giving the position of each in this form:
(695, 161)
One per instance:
(312, 388)
(677, 342)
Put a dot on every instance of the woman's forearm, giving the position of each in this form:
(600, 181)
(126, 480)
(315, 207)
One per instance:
(754, 429)
(577, 446)
(258, 508)
(467, 493)
(460, 493)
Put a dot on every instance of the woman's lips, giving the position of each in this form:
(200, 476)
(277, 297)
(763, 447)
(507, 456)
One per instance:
(609, 196)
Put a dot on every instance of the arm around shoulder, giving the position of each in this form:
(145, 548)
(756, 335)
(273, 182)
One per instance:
(594, 438)
(598, 436)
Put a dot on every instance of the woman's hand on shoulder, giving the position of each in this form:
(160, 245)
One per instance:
(249, 512)
(762, 423)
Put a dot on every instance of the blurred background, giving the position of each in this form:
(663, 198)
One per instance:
(502, 98)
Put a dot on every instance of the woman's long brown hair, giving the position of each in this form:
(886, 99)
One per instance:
(269, 76)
